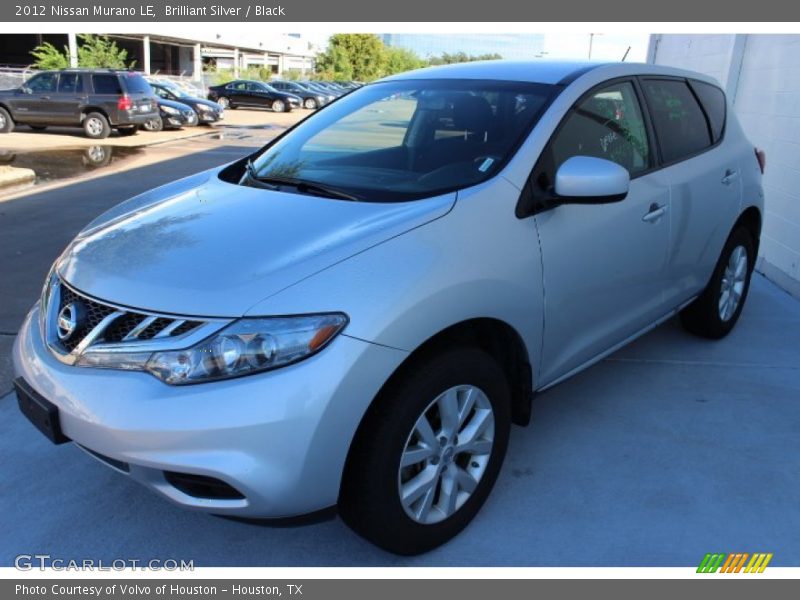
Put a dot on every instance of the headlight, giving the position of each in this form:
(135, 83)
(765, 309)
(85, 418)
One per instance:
(170, 111)
(247, 346)
(204, 108)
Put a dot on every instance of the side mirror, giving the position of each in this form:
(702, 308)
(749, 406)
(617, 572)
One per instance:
(589, 180)
(25, 89)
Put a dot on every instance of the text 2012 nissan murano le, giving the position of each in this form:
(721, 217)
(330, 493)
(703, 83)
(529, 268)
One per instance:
(355, 314)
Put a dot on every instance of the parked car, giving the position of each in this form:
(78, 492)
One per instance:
(356, 313)
(252, 93)
(324, 86)
(207, 112)
(172, 115)
(312, 99)
(98, 100)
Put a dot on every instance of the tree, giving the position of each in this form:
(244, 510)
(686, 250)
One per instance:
(101, 52)
(399, 60)
(460, 57)
(359, 56)
(47, 56)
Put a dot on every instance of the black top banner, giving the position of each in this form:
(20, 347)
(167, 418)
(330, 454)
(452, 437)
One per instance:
(443, 11)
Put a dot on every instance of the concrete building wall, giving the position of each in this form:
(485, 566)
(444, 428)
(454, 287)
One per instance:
(761, 74)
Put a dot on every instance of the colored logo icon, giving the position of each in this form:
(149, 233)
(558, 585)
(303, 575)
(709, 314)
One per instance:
(735, 562)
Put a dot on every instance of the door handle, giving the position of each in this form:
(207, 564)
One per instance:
(655, 213)
(44, 97)
(729, 176)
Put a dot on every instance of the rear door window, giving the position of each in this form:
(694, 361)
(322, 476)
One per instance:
(70, 83)
(106, 84)
(680, 123)
(713, 100)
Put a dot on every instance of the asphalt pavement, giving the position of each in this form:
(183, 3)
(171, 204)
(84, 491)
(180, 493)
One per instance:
(669, 449)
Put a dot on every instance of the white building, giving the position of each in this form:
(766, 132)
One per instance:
(761, 76)
(183, 53)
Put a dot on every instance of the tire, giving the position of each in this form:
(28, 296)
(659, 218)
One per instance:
(278, 106)
(154, 125)
(310, 104)
(96, 126)
(715, 312)
(126, 131)
(6, 122)
(224, 102)
(370, 497)
(38, 127)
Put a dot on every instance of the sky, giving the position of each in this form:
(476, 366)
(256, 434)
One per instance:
(605, 46)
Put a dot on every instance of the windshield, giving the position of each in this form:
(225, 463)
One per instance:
(179, 92)
(403, 140)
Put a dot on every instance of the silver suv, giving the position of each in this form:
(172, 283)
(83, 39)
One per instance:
(357, 313)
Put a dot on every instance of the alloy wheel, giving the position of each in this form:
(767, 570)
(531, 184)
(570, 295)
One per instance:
(311, 103)
(446, 454)
(94, 126)
(733, 283)
(2, 121)
(278, 106)
(223, 102)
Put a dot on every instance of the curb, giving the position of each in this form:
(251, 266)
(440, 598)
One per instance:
(12, 176)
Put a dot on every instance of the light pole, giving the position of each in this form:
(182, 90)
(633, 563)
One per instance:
(591, 42)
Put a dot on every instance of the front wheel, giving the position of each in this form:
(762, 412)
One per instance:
(6, 122)
(278, 106)
(154, 125)
(310, 103)
(715, 312)
(224, 102)
(428, 452)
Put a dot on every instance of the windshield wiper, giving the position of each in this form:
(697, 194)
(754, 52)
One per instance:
(304, 187)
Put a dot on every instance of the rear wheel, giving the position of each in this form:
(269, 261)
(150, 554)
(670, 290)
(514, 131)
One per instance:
(96, 126)
(715, 312)
(428, 452)
(6, 122)
(278, 105)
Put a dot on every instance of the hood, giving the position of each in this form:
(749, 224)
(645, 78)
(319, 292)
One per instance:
(205, 247)
(174, 104)
(196, 101)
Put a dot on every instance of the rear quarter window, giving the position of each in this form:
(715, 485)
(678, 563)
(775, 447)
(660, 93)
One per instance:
(679, 120)
(136, 84)
(713, 100)
(106, 84)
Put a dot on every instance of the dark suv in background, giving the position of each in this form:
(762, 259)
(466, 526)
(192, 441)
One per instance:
(98, 100)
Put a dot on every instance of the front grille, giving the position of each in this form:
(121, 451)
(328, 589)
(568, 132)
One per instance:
(108, 324)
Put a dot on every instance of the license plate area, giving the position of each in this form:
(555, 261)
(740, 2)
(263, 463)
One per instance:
(39, 411)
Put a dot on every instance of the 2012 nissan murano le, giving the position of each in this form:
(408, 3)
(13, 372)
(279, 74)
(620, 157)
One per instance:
(355, 314)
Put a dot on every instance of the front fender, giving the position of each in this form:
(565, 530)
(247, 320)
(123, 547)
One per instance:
(478, 261)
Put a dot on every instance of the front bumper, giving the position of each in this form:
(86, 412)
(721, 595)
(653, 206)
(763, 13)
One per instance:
(279, 438)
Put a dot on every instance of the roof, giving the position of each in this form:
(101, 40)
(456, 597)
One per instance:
(539, 71)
